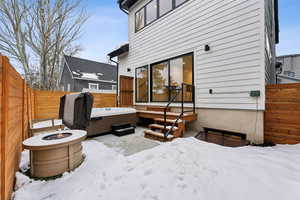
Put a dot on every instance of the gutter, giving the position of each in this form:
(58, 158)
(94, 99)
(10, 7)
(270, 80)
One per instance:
(121, 8)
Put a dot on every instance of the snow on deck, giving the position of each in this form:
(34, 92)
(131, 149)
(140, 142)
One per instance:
(183, 169)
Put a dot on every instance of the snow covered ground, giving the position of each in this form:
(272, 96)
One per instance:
(183, 169)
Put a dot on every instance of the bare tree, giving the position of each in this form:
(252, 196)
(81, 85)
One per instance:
(48, 29)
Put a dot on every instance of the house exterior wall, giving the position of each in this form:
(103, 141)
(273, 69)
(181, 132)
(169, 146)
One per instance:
(233, 67)
(79, 85)
(66, 79)
(237, 63)
(270, 48)
(290, 63)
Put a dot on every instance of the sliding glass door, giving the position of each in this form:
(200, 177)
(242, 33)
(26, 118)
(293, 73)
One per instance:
(181, 71)
(168, 75)
(141, 84)
(160, 82)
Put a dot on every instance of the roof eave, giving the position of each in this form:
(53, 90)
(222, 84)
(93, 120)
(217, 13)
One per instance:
(126, 4)
(121, 50)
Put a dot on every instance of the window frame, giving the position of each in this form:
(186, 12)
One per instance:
(144, 10)
(158, 8)
(148, 82)
(169, 77)
(158, 16)
(94, 85)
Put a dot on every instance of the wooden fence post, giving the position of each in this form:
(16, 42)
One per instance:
(4, 115)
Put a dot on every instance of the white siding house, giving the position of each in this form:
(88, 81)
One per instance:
(241, 38)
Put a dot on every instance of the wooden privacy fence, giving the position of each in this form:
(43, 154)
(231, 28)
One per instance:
(18, 105)
(46, 103)
(282, 115)
(14, 118)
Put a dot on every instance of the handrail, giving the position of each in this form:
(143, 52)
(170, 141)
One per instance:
(166, 133)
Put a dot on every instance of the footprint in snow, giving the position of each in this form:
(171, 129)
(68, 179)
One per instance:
(182, 186)
(180, 178)
(148, 172)
(143, 185)
(149, 157)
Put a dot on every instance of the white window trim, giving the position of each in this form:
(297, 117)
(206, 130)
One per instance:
(93, 84)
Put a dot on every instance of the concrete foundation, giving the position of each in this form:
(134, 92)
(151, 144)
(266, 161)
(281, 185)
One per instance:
(247, 122)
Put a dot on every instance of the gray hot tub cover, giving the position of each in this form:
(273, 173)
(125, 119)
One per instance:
(75, 110)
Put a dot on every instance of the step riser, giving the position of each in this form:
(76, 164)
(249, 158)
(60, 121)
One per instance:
(152, 137)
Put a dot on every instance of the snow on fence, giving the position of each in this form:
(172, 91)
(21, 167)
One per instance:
(282, 115)
(20, 104)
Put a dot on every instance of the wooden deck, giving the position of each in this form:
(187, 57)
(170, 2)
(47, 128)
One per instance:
(189, 117)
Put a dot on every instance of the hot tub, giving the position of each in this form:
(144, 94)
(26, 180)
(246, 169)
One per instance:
(54, 153)
(102, 119)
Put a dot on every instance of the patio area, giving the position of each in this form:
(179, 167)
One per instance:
(133, 143)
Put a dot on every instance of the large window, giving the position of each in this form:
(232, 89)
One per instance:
(141, 84)
(140, 19)
(165, 6)
(151, 11)
(171, 74)
(160, 81)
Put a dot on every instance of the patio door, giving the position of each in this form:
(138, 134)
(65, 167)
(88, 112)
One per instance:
(126, 91)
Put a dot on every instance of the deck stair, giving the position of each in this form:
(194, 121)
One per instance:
(168, 125)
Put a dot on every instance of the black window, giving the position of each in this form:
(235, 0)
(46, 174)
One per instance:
(140, 19)
(165, 6)
(171, 74)
(141, 84)
(151, 11)
(179, 2)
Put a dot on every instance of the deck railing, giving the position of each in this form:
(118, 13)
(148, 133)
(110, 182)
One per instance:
(178, 90)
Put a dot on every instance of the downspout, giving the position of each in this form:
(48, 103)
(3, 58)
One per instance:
(117, 96)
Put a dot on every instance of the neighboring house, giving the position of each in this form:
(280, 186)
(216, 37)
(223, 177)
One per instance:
(290, 72)
(81, 74)
(225, 48)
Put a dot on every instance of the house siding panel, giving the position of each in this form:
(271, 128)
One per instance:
(235, 64)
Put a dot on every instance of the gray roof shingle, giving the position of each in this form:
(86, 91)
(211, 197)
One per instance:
(91, 70)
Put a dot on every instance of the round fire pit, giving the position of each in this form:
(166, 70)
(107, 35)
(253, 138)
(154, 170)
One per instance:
(54, 153)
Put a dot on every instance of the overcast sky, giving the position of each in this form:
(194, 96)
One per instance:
(107, 28)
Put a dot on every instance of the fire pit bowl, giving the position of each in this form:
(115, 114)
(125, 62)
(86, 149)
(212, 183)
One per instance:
(54, 153)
